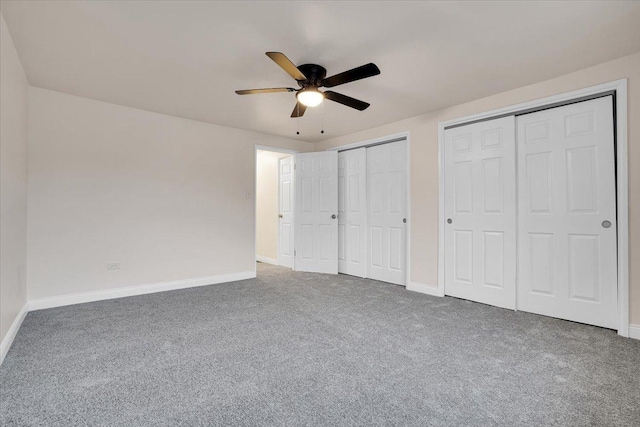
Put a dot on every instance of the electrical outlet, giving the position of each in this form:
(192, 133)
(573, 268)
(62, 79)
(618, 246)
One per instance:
(113, 266)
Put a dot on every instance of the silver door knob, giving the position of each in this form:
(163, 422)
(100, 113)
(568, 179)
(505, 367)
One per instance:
(334, 216)
(449, 220)
(404, 220)
(606, 224)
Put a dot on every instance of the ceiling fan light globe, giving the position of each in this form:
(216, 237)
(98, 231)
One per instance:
(310, 97)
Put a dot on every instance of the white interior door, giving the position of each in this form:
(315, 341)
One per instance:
(285, 220)
(316, 212)
(567, 213)
(352, 212)
(480, 209)
(387, 197)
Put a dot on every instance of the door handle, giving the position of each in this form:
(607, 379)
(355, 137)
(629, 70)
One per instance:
(606, 224)
(334, 216)
(404, 220)
(280, 216)
(449, 220)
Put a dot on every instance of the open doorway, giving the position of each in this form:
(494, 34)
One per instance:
(274, 206)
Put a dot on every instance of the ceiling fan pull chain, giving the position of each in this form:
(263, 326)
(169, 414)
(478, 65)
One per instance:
(298, 121)
(322, 114)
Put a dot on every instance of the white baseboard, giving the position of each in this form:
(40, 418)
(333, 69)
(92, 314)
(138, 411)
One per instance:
(129, 291)
(5, 345)
(424, 289)
(267, 260)
(634, 331)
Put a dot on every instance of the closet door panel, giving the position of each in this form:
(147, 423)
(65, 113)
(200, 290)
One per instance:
(316, 210)
(352, 211)
(480, 209)
(387, 197)
(567, 213)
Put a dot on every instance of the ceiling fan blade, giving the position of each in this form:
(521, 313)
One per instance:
(269, 90)
(358, 73)
(346, 100)
(285, 64)
(298, 110)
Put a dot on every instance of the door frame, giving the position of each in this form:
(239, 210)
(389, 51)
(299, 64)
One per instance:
(619, 89)
(384, 140)
(255, 200)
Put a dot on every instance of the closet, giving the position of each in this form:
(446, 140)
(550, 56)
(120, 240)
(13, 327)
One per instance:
(372, 212)
(530, 212)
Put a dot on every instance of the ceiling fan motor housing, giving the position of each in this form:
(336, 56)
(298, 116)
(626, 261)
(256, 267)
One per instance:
(315, 74)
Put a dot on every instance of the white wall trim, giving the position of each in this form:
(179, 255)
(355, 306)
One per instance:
(622, 198)
(275, 149)
(620, 88)
(267, 260)
(634, 331)
(372, 141)
(383, 139)
(5, 345)
(407, 274)
(425, 289)
(79, 298)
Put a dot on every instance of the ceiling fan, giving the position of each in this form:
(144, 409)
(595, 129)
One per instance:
(310, 77)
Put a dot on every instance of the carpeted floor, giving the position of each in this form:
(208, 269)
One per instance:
(295, 349)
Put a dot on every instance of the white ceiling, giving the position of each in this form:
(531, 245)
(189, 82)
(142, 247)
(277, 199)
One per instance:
(187, 58)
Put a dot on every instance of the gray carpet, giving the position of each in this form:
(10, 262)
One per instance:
(294, 349)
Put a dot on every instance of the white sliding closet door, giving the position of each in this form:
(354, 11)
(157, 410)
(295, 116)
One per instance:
(480, 209)
(285, 223)
(567, 213)
(387, 197)
(352, 212)
(316, 212)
